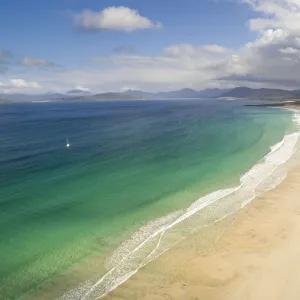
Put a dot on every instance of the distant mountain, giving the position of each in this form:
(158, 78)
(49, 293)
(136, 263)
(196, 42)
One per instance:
(73, 95)
(27, 97)
(184, 93)
(50, 96)
(140, 94)
(296, 92)
(18, 97)
(78, 92)
(102, 96)
(245, 92)
(212, 93)
(190, 93)
(115, 96)
(80, 95)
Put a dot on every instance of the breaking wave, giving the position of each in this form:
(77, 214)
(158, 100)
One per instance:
(158, 236)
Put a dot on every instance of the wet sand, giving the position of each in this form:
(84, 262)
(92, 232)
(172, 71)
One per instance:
(253, 254)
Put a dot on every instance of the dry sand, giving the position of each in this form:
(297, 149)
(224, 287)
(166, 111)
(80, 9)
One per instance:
(252, 255)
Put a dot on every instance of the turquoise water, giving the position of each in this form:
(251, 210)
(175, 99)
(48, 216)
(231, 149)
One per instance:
(129, 163)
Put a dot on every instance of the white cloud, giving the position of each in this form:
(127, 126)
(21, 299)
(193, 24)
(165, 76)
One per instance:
(289, 50)
(179, 56)
(113, 79)
(35, 62)
(275, 54)
(181, 65)
(136, 61)
(259, 24)
(180, 50)
(113, 18)
(21, 83)
(284, 14)
(270, 60)
(82, 88)
(269, 37)
(215, 48)
(18, 85)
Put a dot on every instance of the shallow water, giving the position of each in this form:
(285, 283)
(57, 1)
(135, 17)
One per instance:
(129, 163)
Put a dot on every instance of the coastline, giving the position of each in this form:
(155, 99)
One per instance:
(81, 281)
(251, 254)
(209, 216)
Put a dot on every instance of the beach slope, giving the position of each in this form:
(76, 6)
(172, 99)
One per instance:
(254, 254)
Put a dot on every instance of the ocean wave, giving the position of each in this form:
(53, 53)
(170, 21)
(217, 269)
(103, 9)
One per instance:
(160, 235)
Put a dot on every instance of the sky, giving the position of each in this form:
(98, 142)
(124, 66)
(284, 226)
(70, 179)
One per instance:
(151, 45)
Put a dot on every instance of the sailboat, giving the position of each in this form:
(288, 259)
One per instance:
(67, 143)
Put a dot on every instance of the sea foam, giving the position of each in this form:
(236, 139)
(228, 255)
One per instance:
(158, 236)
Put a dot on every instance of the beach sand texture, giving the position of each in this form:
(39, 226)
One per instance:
(253, 254)
(226, 245)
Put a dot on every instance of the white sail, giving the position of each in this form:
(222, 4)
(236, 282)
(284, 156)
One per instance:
(67, 142)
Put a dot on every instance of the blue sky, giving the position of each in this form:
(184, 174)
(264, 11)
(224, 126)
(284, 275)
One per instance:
(62, 44)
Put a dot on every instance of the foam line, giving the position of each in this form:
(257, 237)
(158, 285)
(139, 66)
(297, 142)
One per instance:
(126, 260)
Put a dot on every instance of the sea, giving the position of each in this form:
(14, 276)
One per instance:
(138, 178)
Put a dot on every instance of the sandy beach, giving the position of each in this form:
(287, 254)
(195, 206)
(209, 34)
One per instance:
(253, 254)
